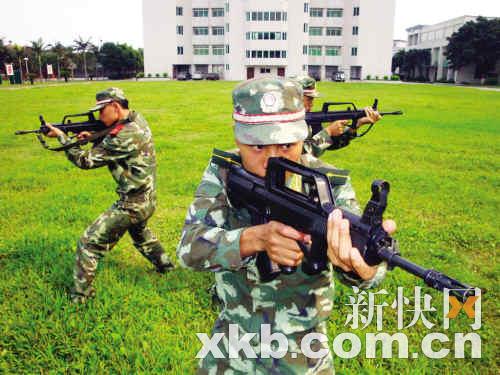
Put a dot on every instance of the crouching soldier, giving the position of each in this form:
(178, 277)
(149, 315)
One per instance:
(128, 152)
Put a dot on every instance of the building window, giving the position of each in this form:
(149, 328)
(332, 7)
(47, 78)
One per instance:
(305, 28)
(354, 51)
(199, 50)
(266, 16)
(304, 50)
(200, 30)
(218, 50)
(355, 30)
(316, 12)
(227, 27)
(315, 31)
(332, 51)
(180, 30)
(227, 10)
(314, 50)
(333, 31)
(334, 12)
(217, 12)
(356, 11)
(266, 54)
(265, 70)
(217, 30)
(265, 35)
(180, 50)
(227, 48)
(178, 11)
(227, 66)
(200, 12)
(306, 7)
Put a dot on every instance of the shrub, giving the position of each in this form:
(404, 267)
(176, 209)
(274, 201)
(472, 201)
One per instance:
(368, 77)
(140, 75)
(394, 77)
(491, 81)
(376, 78)
(165, 75)
(157, 75)
(149, 75)
(386, 78)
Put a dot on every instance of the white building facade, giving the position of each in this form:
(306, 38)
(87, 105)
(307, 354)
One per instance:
(241, 39)
(434, 38)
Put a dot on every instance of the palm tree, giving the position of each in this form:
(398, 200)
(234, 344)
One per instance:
(83, 46)
(60, 52)
(38, 46)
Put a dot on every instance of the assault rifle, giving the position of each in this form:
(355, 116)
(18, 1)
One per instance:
(89, 123)
(270, 199)
(316, 119)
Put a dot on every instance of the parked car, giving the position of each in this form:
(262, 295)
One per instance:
(183, 76)
(198, 76)
(212, 76)
(338, 77)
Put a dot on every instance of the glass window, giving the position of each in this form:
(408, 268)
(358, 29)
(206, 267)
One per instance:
(355, 30)
(356, 11)
(200, 30)
(180, 50)
(200, 12)
(333, 31)
(178, 11)
(217, 12)
(200, 50)
(227, 27)
(180, 30)
(354, 51)
(306, 7)
(314, 50)
(218, 30)
(227, 48)
(305, 28)
(266, 16)
(248, 16)
(315, 31)
(334, 12)
(218, 50)
(332, 51)
(316, 12)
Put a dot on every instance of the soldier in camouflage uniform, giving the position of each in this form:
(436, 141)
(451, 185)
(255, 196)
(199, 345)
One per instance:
(333, 134)
(269, 121)
(128, 152)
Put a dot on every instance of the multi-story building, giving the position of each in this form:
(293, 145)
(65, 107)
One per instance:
(434, 38)
(242, 39)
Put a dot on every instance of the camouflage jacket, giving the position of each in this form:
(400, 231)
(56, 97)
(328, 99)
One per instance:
(211, 239)
(129, 153)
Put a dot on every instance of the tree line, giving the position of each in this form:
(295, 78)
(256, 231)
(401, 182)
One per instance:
(476, 42)
(83, 59)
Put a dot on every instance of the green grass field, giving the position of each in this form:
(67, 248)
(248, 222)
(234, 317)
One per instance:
(441, 157)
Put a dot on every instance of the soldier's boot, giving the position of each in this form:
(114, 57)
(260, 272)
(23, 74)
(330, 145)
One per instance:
(150, 247)
(84, 272)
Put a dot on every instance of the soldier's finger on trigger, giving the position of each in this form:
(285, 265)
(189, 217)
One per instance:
(345, 244)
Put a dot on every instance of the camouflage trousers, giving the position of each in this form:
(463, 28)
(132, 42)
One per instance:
(103, 234)
(294, 362)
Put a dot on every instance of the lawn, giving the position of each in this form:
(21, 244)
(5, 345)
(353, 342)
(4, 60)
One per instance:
(441, 158)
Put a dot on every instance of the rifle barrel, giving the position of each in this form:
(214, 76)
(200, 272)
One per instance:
(21, 132)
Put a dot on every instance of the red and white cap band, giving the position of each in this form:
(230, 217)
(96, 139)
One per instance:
(265, 118)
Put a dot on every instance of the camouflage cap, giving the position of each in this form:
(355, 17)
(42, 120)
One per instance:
(308, 84)
(269, 111)
(107, 96)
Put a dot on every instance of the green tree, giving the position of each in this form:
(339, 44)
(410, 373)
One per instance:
(120, 60)
(476, 42)
(83, 46)
(37, 47)
(61, 52)
(412, 63)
